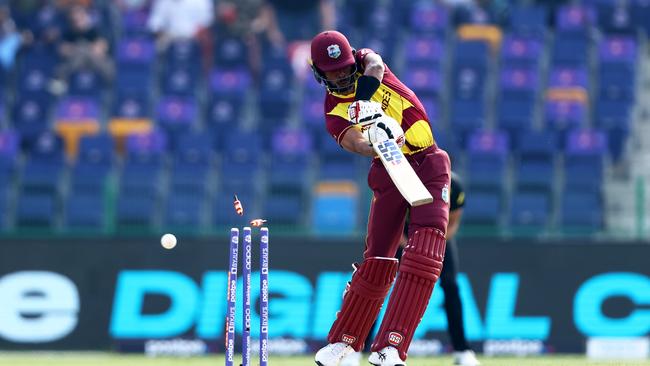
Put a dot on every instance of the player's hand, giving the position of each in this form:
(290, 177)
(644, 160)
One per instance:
(385, 128)
(362, 111)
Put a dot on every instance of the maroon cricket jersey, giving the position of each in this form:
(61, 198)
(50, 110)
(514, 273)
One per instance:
(397, 101)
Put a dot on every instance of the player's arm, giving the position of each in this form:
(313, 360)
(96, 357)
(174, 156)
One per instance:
(373, 66)
(373, 74)
(454, 222)
(354, 141)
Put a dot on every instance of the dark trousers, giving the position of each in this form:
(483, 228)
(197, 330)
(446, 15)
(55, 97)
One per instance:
(453, 307)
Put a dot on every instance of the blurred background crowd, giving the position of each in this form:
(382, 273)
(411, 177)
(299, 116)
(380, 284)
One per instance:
(149, 114)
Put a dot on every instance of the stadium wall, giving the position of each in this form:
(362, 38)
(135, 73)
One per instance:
(124, 294)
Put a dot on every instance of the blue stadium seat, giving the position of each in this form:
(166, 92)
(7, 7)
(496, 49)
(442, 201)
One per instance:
(428, 18)
(131, 104)
(424, 81)
(179, 81)
(483, 208)
(519, 51)
(569, 51)
(615, 118)
(284, 209)
(85, 83)
(135, 210)
(275, 96)
(581, 209)
(135, 59)
(192, 164)
(288, 173)
(94, 163)
(486, 160)
(45, 166)
(535, 163)
(184, 211)
(583, 160)
(222, 112)
(185, 54)
(528, 20)
(466, 116)
(36, 210)
(143, 165)
(141, 175)
(30, 119)
(230, 52)
(424, 51)
(85, 211)
(530, 209)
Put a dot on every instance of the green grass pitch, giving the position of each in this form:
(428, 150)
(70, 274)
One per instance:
(110, 359)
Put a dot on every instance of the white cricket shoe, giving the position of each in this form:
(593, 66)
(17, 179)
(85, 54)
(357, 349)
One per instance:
(466, 358)
(332, 354)
(352, 359)
(387, 356)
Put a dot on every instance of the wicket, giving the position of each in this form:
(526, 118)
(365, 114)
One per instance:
(232, 296)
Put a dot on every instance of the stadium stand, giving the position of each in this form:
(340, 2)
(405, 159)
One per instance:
(538, 114)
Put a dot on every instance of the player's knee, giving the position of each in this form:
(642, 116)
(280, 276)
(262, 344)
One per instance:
(424, 254)
(374, 276)
(438, 222)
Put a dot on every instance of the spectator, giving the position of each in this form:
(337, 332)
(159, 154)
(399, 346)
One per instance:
(83, 47)
(479, 11)
(300, 20)
(179, 19)
(247, 20)
(40, 22)
(10, 39)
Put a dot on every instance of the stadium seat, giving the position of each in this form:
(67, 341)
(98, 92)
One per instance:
(135, 58)
(36, 210)
(136, 210)
(424, 52)
(85, 211)
(483, 208)
(85, 83)
(528, 20)
(487, 160)
(45, 166)
(94, 164)
(230, 52)
(519, 51)
(583, 160)
(535, 161)
(284, 209)
(184, 211)
(176, 116)
(581, 210)
(427, 18)
(530, 209)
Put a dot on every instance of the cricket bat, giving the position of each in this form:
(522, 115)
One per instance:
(402, 174)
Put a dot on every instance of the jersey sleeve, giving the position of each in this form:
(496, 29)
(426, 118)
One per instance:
(337, 126)
(360, 55)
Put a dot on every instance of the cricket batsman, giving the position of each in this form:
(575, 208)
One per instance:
(366, 104)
